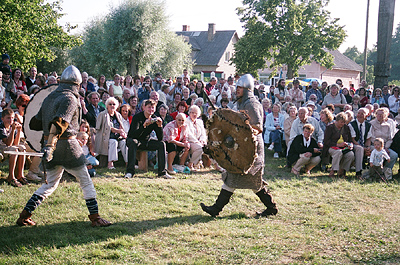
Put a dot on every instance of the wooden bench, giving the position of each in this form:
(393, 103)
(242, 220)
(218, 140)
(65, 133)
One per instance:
(141, 156)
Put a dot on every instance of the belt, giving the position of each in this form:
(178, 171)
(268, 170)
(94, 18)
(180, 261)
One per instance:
(46, 137)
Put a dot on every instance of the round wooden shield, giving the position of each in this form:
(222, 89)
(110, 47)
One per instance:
(33, 138)
(231, 141)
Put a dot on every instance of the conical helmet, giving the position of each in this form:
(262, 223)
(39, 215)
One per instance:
(71, 75)
(246, 81)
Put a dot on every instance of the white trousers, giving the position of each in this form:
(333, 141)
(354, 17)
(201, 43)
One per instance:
(113, 146)
(54, 176)
(196, 150)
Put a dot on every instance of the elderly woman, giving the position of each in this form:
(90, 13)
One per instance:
(338, 100)
(175, 137)
(163, 114)
(385, 128)
(287, 124)
(338, 144)
(304, 151)
(196, 136)
(274, 129)
(110, 133)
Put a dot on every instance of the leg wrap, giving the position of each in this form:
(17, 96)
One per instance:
(33, 203)
(92, 206)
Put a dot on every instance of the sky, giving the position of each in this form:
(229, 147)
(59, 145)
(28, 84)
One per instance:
(197, 14)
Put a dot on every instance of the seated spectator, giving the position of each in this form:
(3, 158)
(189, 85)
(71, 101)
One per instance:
(10, 133)
(326, 118)
(377, 97)
(163, 94)
(385, 128)
(104, 96)
(335, 98)
(303, 118)
(186, 96)
(359, 129)
(91, 132)
(92, 109)
(224, 103)
(133, 103)
(296, 94)
(355, 104)
(52, 80)
(274, 130)
(312, 110)
(110, 134)
(182, 107)
(304, 151)
(347, 96)
(338, 144)
(126, 95)
(163, 114)
(364, 99)
(143, 124)
(91, 161)
(200, 103)
(287, 125)
(125, 111)
(313, 98)
(176, 139)
(19, 81)
(197, 136)
(173, 106)
(102, 85)
(394, 101)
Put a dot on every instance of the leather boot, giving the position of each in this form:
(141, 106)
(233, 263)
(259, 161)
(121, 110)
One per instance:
(25, 219)
(222, 200)
(97, 221)
(266, 199)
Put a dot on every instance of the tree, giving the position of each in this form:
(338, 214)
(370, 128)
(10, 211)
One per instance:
(133, 39)
(291, 32)
(354, 54)
(29, 31)
(395, 55)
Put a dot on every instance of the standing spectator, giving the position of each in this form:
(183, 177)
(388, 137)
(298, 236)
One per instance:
(86, 85)
(142, 125)
(2, 93)
(137, 82)
(163, 94)
(211, 85)
(126, 95)
(280, 91)
(377, 157)
(101, 84)
(338, 100)
(386, 94)
(364, 100)
(314, 90)
(9, 86)
(296, 94)
(19, 81)
(128, 84)
(92, 110)
(133, 103)
(144, 91)
(115, 88)
(304, 151)
(30, 80)
(5, 61)
(394, 101)
(274, 129)
(200, 90)
(324, 90)
(158, 82)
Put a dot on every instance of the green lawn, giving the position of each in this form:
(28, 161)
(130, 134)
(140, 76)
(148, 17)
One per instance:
(158, 221)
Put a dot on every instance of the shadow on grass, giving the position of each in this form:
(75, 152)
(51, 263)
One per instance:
(15, 239)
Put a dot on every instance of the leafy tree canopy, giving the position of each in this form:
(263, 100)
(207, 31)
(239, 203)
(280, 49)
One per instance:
(133, 38)
(291, 32)
(29, 30)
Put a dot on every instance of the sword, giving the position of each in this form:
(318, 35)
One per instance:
(24, 153)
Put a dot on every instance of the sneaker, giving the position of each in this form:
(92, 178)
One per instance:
(166, 176)
(171, 172)
(33, 177)
(128, 175)
(271, 147)
(276, 155)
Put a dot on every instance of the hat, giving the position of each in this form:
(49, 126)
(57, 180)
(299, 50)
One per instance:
(5, 70)
(5, 56)
(310, 103)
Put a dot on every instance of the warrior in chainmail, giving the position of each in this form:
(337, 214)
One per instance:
(247, 102)
(59, 118)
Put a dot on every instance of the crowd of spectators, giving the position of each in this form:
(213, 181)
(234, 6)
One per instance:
(324, 125)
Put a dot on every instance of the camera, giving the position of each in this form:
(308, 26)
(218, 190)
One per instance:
(146, 85)
(153, 120)
(179, 84)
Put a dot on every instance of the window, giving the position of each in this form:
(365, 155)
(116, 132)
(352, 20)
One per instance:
(227, 56)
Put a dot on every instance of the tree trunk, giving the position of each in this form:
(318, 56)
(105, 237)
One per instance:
(385, 29)
(133, 64)
(289, 74)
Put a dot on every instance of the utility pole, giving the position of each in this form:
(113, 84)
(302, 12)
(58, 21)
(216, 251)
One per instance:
(366, 45)
(385, 30)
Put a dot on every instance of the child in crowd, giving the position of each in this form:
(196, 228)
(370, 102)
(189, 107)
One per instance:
(10, 133)
(376, 158)
(83, 138)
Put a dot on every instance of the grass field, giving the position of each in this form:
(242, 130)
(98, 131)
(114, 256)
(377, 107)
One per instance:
(158, 221)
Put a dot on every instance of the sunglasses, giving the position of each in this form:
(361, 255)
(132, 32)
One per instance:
(111, 104)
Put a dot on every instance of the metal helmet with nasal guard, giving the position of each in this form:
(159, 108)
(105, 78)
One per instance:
(246, 81)
(71, 75)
